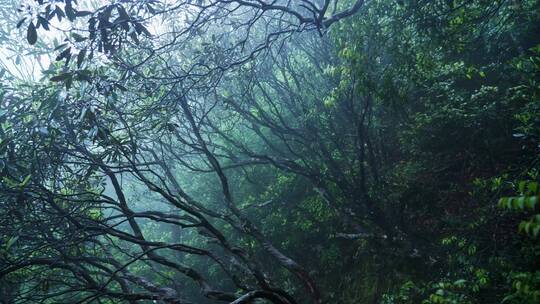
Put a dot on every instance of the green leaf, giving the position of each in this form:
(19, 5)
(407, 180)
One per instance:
(532, 187)
(531, 202)
(61, 77)
(518, 203)
(11, 242)
(121, 87)
(10, 182)
(521, 186)
(65, 53)
(535, 230)
(83, 13)
(502, 202)
(85, 75)
(150, 9)
(536, 49)
(59, 13)
(133, 36)
(31, 34)
(141, 29)
(78, 38)
(20, 23)
(80, 57)
(60, 46)
(122, 12)
(70, 12)
(25, 181)
(44, 23)
(524, 227)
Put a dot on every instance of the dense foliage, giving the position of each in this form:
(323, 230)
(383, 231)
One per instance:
(243, 151)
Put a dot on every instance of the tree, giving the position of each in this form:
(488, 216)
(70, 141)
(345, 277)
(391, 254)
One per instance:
(248, 151)
(62, 146)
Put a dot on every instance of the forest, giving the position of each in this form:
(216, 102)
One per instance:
(270, 151)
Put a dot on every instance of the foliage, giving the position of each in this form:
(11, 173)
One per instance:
(281, 152)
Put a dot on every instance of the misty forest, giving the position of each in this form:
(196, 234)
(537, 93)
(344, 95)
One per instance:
(270, 151)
